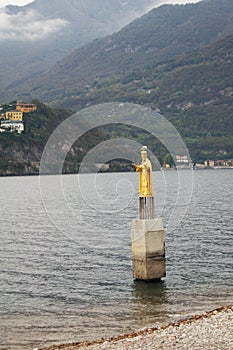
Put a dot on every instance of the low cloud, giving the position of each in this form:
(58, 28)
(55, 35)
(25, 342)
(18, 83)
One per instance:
(28, 26)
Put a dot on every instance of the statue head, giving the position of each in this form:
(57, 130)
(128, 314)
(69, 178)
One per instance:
(144, 152)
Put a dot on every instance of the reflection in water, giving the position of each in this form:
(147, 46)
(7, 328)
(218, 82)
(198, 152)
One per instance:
(149, 300)
(150, 292)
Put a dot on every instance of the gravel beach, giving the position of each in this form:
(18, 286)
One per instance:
(209, 331)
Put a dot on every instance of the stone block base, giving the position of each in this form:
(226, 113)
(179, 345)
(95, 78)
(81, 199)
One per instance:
(148, 249)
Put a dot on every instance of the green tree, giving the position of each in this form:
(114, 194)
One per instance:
(168, 159)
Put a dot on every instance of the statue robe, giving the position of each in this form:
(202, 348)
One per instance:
(145, 183)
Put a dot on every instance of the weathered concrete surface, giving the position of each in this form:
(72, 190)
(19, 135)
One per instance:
(148, 249)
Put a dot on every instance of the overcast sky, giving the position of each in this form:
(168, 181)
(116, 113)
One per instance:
(31, 26)
(23, 2)
(14, 2)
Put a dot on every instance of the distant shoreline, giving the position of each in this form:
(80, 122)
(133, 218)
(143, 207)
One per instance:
(77, 173)
(109, 172)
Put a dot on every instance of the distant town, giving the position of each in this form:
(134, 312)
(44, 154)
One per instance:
(182, 162)
(11, 116)
(214, 164)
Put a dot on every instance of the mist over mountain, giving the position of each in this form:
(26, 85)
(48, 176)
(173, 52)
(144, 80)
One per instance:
(35, 36)
(163, 33)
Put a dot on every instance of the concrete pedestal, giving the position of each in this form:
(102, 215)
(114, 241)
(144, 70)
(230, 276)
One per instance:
(148, 249)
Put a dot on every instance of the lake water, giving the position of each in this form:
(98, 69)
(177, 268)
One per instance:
(65, 260)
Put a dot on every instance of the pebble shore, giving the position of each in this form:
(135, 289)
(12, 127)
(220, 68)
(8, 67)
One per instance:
(209, 331)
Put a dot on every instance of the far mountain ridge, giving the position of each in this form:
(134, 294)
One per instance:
(39, 34)
(160, 35)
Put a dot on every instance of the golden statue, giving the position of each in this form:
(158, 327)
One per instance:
(145, 169)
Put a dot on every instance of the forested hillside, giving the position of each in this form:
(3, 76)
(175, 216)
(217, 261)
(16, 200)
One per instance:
(20, 154)
(194, 91)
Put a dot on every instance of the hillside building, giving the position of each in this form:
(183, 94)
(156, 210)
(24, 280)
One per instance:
(11, 120)
(225, 163)
(183, 162)
(210, 163)
(14, 116)
(25, 107)
(11, 126)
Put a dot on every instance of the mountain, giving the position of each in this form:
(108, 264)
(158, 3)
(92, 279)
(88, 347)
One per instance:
(35, 36)
(194, 91)
(163, 33)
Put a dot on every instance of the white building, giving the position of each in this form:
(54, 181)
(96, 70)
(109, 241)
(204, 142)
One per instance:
(183, 162)
(11, 126)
